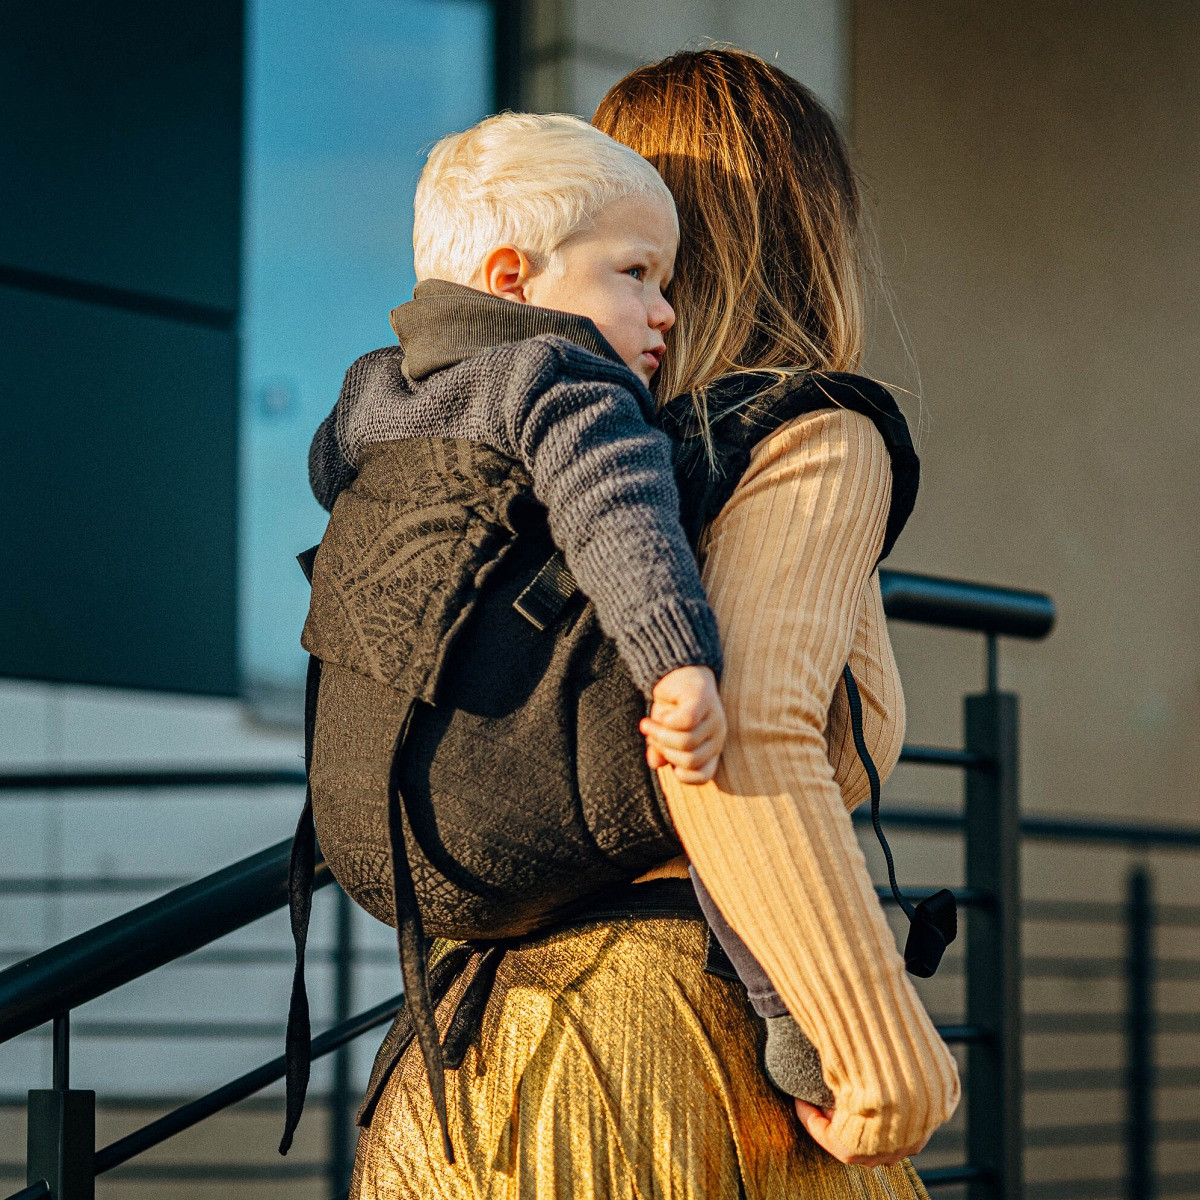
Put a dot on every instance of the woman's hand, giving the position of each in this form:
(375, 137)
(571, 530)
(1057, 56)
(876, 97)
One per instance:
(686, 725)
(818, 1123)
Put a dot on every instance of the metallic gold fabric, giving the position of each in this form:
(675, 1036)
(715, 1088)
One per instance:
(609, 1065)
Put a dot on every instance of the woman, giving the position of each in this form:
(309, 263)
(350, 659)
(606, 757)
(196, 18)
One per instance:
(608, 1062)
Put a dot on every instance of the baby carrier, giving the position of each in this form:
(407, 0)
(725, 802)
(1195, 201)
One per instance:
(475, 767)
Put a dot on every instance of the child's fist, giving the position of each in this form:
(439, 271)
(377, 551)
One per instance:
(686, 725)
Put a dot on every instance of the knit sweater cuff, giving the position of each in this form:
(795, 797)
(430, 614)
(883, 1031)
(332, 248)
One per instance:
(676, 633)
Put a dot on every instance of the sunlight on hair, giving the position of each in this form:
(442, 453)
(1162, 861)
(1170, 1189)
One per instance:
(528, 180)
(769, 272)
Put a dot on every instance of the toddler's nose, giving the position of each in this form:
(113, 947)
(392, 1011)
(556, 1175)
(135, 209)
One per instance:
(662, 315)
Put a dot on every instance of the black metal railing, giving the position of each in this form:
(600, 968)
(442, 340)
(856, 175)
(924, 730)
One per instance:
(62, 1161)
(1137, 964)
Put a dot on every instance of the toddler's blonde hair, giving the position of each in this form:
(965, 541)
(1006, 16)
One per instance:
(529, 180)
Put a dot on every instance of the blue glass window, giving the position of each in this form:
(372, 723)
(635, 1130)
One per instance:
(342, 101)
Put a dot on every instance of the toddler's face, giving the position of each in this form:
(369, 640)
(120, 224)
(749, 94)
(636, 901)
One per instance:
(615, 274)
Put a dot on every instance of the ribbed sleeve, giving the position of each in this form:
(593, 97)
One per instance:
(789, 568)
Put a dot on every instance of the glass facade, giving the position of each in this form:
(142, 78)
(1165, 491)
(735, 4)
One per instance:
(342, 101)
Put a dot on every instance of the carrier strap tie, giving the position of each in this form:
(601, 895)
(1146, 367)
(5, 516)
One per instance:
(542, 602)
(933, 924)
(301, 869)
(410, 938)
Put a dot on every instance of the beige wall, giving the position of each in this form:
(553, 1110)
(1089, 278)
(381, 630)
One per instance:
(1034, 168)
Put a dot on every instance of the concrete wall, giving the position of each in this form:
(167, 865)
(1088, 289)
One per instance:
(578, 50)
(1032, 170)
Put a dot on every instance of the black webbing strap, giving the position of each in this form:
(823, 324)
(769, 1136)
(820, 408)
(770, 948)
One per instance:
(543, 600)
(442, 975)
(933, 924)
(657, 899)
(410, 938)
(301, 868)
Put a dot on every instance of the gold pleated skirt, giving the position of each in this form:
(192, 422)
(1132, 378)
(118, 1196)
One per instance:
(609, 1066)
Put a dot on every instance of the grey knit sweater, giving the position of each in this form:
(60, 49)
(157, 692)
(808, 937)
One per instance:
(546, 389)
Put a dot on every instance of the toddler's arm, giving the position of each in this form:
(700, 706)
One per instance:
(579, 424)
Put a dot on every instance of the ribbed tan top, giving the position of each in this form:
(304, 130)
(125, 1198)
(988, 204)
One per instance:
(789, 569)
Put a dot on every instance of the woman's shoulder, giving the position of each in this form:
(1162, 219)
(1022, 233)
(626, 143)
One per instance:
(771, 414)
(813, 432)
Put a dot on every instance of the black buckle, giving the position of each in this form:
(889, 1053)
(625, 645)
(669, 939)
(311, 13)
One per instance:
(934, 926)
(542, 602)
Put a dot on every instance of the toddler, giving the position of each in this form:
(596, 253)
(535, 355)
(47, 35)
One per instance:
(543, 251)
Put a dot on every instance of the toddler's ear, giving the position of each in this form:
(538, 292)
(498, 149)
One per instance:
(506, 272)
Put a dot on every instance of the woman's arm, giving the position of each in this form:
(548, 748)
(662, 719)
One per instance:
(788, 561)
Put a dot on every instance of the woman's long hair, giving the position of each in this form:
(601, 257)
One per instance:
(769, 272)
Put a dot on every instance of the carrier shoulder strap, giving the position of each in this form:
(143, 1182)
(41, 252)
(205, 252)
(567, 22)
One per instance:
(933, 923)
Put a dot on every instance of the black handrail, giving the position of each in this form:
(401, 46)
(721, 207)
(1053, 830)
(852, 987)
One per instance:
(50, 984)
(959, 604)
(143, 939)
(1055, 829)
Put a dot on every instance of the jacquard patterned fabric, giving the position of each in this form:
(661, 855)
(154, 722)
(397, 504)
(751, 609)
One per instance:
(523, 775)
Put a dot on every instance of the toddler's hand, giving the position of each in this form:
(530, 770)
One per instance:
(686, 725)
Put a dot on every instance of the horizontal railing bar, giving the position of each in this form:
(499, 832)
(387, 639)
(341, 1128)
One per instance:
(174, 1030)
(143, 939)
(157, 1101)
(1078, 1189)
(943, 756)
(1048, 828)
(366, 956)
(246, 1085)
(1102, 1133)
(946, 1176)
(911, 818)
(41, 781)
(959, 604)
(963, 1033)
(1103, 830)
(225, 1172)
(81, 885)
(1165, 1184)
(1069, 1079)
(1106, 913)
(1085, 1023)
(160, 1100)
(153, 304)
(1052, 967)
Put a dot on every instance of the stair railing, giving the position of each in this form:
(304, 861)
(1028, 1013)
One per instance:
(63, 1162)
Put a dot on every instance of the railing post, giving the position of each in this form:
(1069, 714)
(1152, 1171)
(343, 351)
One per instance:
(993, 951)
(61, 1144)
(341, 1098)
(1139, 1038)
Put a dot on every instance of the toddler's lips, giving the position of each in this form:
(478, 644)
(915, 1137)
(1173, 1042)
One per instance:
(654, 356)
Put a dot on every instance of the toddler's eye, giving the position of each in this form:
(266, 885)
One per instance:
(636, 272)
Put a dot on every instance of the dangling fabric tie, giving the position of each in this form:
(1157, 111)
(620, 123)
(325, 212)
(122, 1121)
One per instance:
(933, 923)
(301, 870)
(410, 937)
